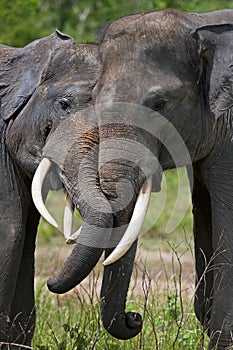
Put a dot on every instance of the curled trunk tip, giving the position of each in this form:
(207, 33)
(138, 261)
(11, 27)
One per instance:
(123, 326)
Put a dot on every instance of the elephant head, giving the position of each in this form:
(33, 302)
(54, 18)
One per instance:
(42, 85)
(155, 62)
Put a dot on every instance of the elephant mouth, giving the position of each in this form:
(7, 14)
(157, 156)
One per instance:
(132, 231)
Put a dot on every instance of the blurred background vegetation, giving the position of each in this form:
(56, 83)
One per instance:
(22, 21)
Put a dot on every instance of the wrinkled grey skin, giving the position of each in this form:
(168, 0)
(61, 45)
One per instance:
(161, 60)
(165, 63)
(41, 85)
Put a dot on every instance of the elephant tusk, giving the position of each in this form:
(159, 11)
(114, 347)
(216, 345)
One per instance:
(67, 222)
(133, 228)
(73, 237)
(68, 217)
(37, 184)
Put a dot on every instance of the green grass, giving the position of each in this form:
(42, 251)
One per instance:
(160, 289)
(73, 321)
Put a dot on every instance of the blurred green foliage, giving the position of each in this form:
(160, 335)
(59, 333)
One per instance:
(22, 21)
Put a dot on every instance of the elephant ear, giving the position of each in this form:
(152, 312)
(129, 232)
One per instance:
(215, 46)
(21, 71)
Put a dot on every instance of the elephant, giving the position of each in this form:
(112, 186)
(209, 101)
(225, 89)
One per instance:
(177, 67)
(41, 85)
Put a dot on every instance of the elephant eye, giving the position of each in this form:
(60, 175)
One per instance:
(155, 104)
(64, 104)
(158, 105)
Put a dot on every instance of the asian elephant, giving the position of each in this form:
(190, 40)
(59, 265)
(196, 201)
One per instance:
(41, 85)
(180, 65)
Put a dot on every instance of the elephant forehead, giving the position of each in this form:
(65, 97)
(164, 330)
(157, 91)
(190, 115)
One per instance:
(146, 49)
(78, 62)
(145, 26)
(136, 77)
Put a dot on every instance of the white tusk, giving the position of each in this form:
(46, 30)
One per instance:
(135, 224)
(68, 217)
(37, 184)
(73, 238)
(68, 221)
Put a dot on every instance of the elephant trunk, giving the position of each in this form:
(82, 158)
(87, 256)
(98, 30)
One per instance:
(75, 269)
(94, 236)
(116, 321)
(116, 278)
(79, 174)
(121, 178)
(82, 259)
